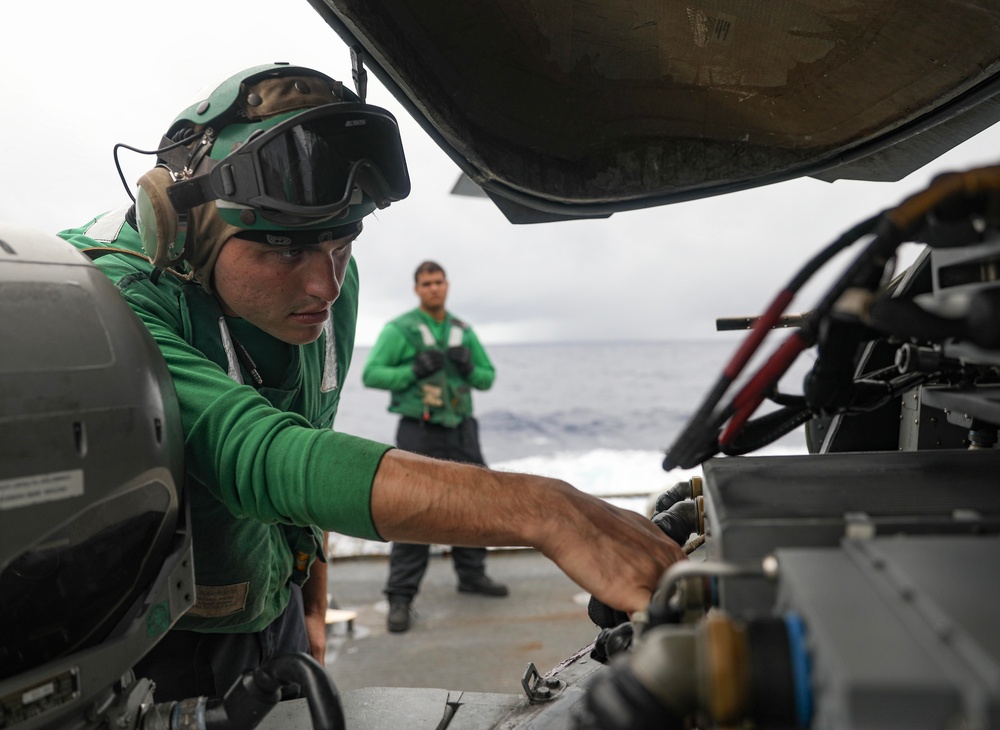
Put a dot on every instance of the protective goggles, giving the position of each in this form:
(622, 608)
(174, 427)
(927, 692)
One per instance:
(307, 168)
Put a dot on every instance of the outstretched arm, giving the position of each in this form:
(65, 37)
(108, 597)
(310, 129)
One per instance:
(615, 554)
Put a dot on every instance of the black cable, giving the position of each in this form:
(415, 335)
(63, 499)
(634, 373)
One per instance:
(892, 389)
(787, 399)
(701, 432)
(767, 429)
(122, 145)
(257, 692)
(844, 240)
(891, 228)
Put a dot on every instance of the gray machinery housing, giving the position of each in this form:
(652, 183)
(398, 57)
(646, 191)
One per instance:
(95, 556)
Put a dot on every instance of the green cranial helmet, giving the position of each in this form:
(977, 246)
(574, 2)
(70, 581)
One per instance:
(283, 151)
(285, 147)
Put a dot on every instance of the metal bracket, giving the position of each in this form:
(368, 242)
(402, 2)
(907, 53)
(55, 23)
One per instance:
(539, 688)
(358, 72)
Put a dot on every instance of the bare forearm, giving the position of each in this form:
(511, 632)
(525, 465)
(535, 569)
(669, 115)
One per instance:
(418, 499)
(314, 604)
(616, 554)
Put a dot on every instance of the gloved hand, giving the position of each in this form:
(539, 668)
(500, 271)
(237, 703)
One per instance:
(604, 616)
(679, 521)
(612, 641)
(690, 489)
(427, 362)
(462, 357)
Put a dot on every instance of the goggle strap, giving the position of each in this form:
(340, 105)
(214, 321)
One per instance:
(187, 194)
(184, 219)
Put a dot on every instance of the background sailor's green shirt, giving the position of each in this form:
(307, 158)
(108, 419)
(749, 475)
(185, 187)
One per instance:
(389, 366)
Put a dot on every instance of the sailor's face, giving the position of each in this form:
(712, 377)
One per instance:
(286, 291)
(432, 289)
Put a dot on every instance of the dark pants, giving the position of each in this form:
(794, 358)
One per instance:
(194, 664)
(407, 561)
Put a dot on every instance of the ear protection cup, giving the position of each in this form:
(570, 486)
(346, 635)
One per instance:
(161, 231)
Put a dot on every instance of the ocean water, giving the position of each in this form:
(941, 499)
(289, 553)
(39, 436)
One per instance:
(599, 416)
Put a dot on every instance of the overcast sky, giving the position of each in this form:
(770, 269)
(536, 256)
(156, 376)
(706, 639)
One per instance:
(80, 77)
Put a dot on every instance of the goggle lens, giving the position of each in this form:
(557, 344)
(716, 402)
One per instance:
(314, 162)
(310, 167)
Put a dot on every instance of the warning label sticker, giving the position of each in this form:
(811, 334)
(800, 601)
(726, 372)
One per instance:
(37, 488)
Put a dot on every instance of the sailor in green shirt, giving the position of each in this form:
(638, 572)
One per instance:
(430, 361)
(236, 256)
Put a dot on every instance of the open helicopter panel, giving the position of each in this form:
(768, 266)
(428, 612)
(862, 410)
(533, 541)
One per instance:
(852, 587)
(579, 109)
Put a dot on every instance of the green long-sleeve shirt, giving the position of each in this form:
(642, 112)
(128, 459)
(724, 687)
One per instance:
(266, 466)
(390, 367)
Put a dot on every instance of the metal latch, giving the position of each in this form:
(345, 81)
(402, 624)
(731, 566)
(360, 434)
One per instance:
(539, 688)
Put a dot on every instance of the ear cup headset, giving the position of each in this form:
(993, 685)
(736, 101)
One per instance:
(273, 148)
(157, 220)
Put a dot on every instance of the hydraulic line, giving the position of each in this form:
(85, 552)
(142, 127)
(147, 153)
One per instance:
(767, 429)
(754, 392)
(252, 697)
(951, 195)
(700, 433)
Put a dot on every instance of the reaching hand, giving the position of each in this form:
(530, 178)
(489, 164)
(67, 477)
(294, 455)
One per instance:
(617, 555)
(678, 517)
(462, 357)
(427, 362)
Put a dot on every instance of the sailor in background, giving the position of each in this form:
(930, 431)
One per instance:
(430, 361)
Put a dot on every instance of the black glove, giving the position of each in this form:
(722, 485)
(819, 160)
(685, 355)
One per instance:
(612, 641)
(689, 489)
(679, 521)
(427, 362)
(462, 357)
(604, 616)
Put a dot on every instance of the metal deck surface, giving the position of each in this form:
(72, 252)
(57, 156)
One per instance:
(457, 641)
